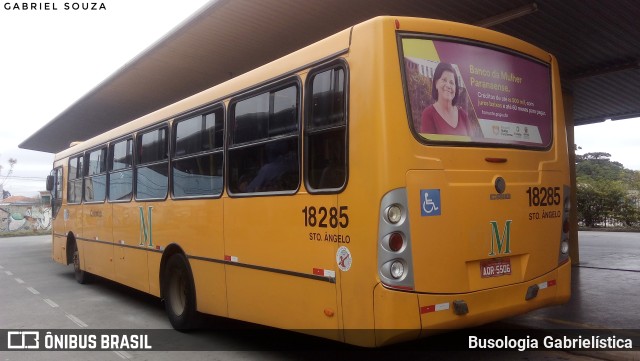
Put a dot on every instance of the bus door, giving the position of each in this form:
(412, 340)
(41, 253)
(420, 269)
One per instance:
(98, 246)
(132, 235)
(55, 183)
(97, 250)
(132, 221)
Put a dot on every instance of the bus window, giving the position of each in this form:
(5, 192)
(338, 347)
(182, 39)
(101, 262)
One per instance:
(264, 151)
(74, 185)
(95, 181)
(197, 162)
(120, 171)
(325, 130)
(152, 164)
(56, 191)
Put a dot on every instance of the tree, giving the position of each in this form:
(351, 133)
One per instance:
(629, 213)
(607, 192)
(12, 163)
(598, 166)
(590, 210)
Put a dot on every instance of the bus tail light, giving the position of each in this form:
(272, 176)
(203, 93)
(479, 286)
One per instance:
(396, 241)
(566, 227)
(564, 247)
(394, 213)
(395, 268)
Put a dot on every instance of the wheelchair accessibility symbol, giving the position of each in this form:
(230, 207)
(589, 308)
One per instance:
(430, 202)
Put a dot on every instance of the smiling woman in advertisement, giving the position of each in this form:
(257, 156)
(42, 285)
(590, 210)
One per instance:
(444, 116)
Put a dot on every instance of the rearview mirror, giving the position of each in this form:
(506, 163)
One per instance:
(49, 183)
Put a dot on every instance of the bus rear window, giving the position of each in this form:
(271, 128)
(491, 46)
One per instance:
(460, 92)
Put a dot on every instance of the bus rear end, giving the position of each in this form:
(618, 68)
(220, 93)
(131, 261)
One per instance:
(479, 229)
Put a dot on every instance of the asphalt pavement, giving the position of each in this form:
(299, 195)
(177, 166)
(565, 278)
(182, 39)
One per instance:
(38, 294)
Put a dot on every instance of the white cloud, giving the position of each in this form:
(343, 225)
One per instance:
(620, 138)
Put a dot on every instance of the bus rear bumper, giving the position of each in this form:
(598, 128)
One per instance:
(401, 316)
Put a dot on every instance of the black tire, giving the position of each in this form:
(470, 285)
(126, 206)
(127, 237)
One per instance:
(179, 293)
(81, 276)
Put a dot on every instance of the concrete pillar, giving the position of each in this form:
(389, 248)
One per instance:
(573, 214)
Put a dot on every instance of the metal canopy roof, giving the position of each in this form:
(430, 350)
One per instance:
(597, 44)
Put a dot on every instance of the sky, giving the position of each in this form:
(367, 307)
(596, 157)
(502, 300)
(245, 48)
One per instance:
(51, 58)
(620, 138)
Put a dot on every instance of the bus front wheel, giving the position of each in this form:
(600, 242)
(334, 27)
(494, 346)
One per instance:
(179, 293)
(81, 276)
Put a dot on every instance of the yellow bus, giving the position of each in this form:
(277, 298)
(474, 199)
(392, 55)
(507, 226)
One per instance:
(400, 177)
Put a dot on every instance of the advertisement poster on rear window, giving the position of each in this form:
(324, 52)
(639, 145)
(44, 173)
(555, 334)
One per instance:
(459, 92)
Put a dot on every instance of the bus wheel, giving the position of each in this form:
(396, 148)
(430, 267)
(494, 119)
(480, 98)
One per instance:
(81, 276)
(179, 293)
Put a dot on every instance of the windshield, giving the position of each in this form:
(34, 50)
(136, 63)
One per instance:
(467, 93)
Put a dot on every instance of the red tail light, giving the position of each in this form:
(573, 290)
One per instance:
(396, 241)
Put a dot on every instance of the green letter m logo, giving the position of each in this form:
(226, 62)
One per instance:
(500, 242)
(146, 237)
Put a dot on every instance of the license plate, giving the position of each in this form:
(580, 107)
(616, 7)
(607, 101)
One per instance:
(495, 267)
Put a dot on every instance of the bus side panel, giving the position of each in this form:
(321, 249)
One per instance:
(59, 248)
(210, 282)
(72, 223)
(72, 214)
(367, 157)
(98, 255)
(196, 227)
(396, 316)
(357, 278)
(282, 301)
(154, 258)
(276, 265)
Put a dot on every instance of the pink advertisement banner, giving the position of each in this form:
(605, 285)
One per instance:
(468, 93)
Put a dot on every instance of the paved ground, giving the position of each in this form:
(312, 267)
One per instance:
(37, 293)
(605, 285)
(605, 292)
